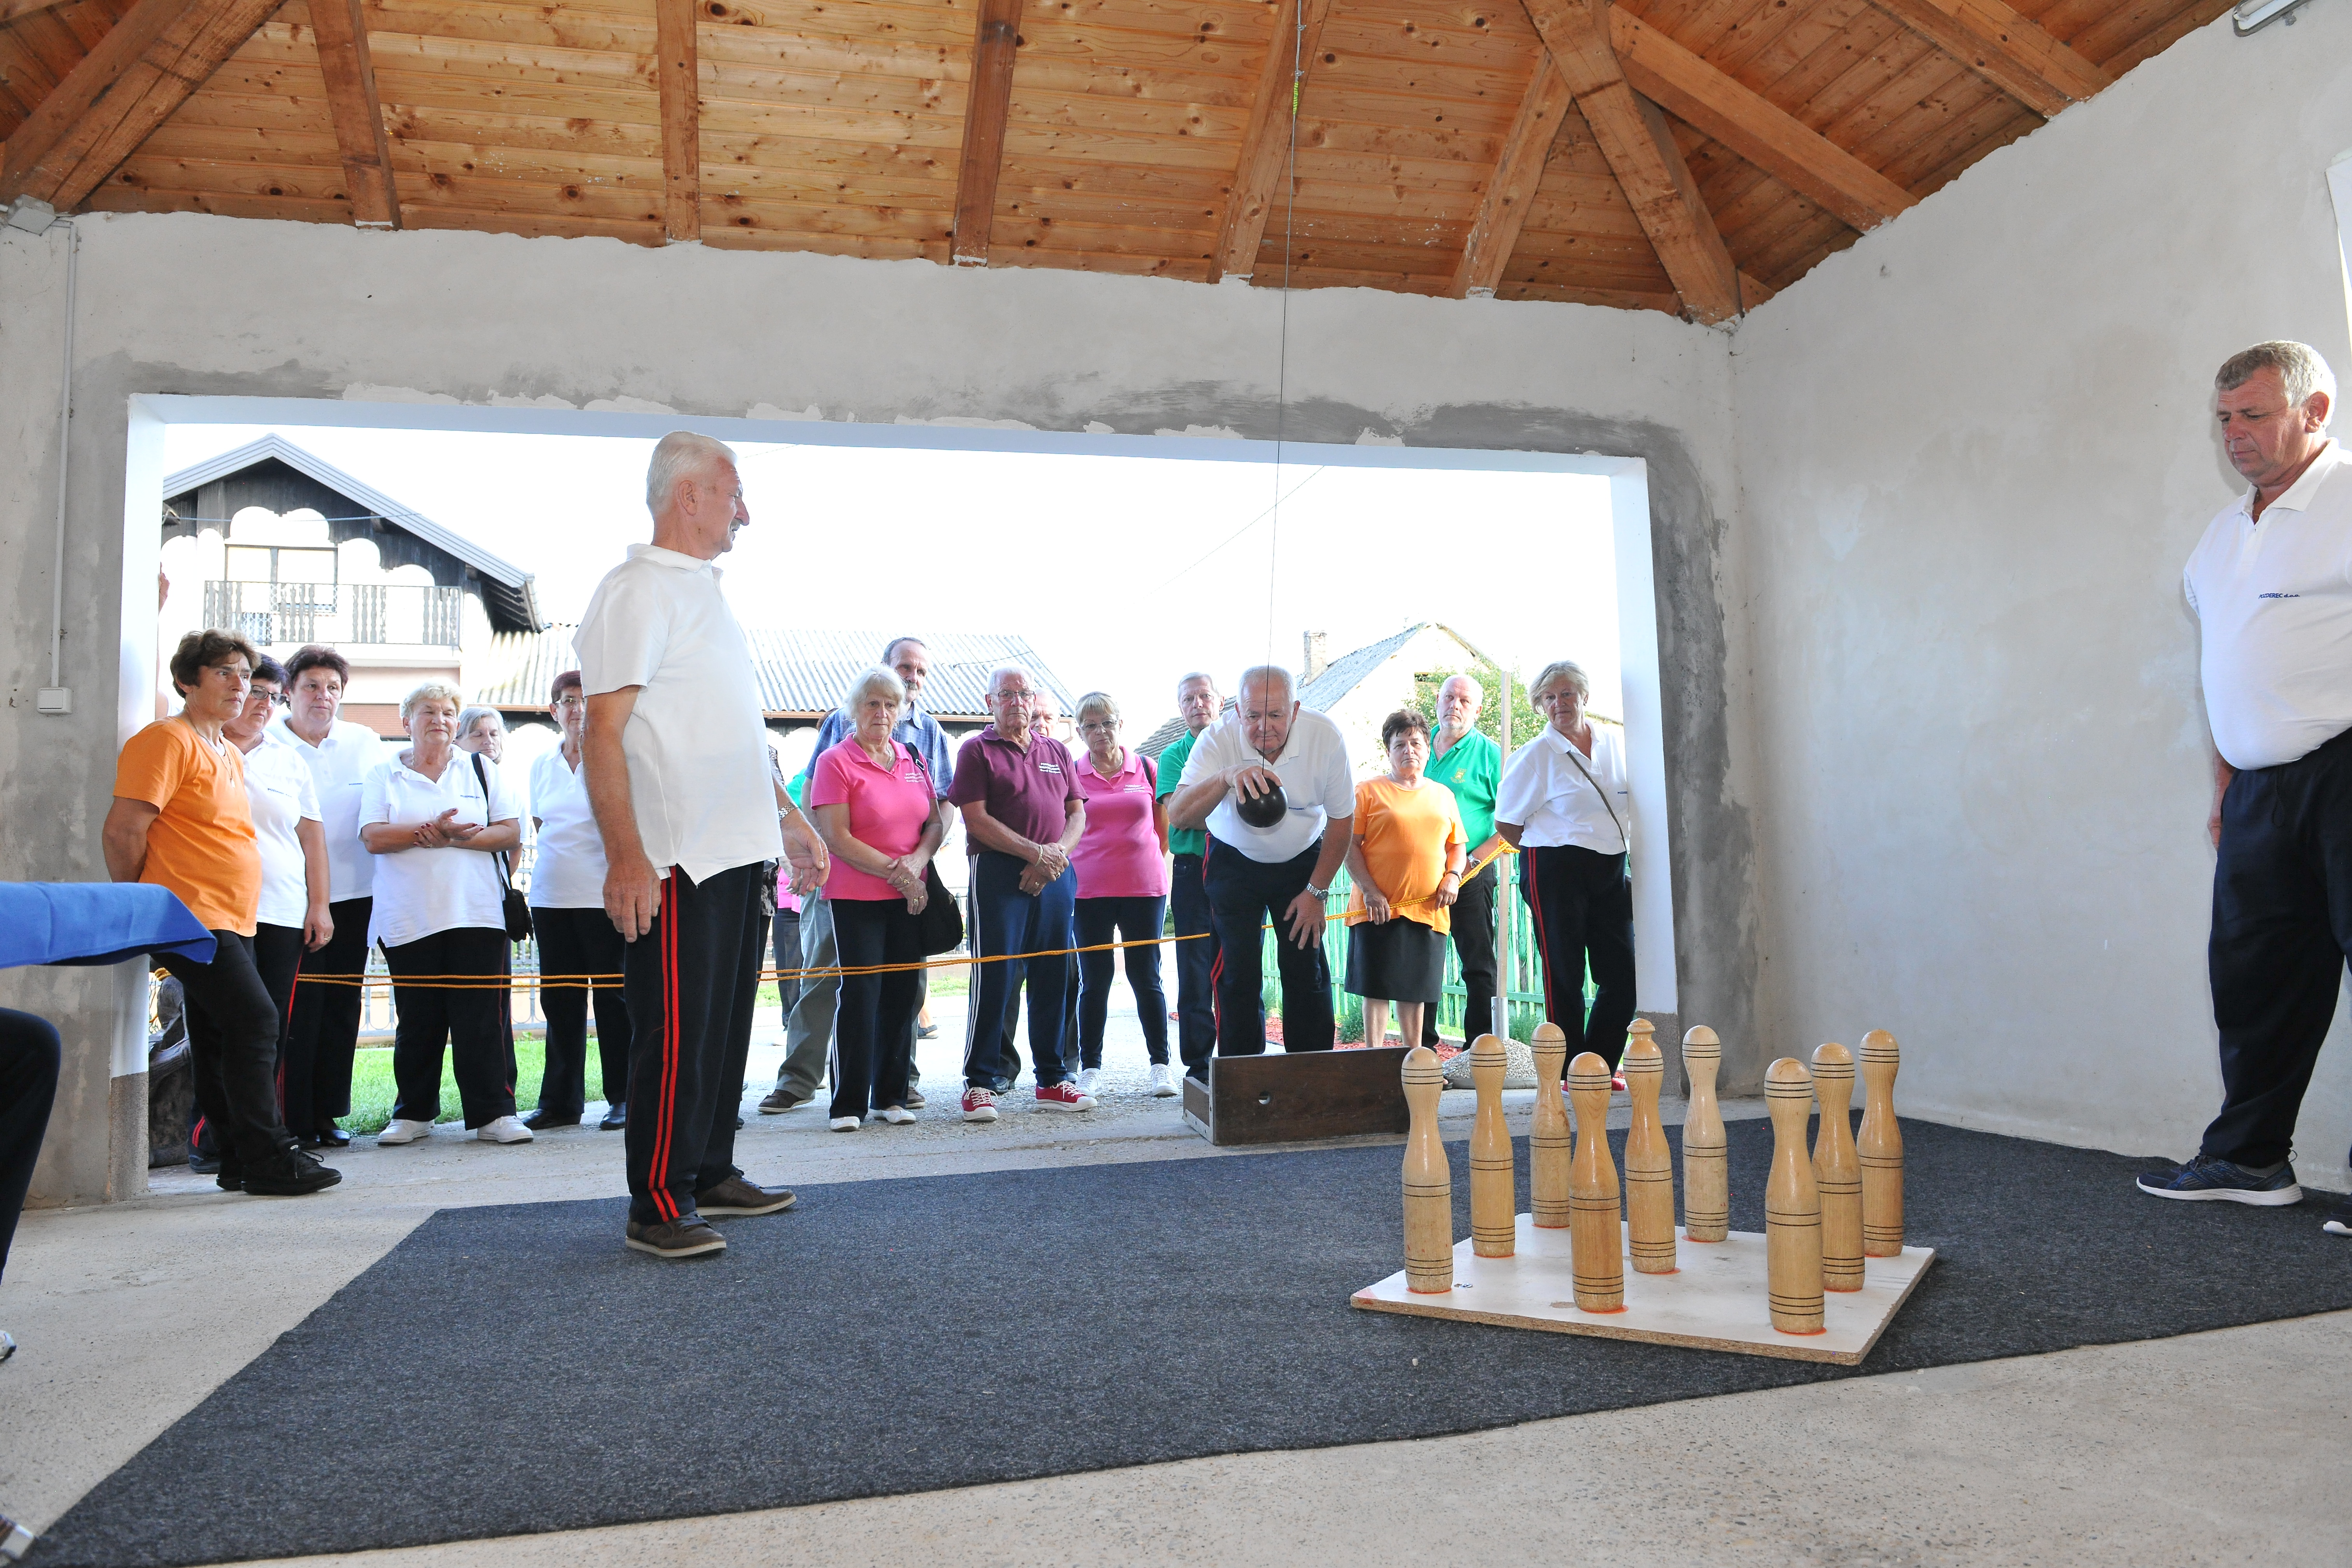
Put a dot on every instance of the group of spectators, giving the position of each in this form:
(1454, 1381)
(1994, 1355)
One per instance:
(301, 839)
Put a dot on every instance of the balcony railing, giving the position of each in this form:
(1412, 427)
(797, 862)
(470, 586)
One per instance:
(341, 613)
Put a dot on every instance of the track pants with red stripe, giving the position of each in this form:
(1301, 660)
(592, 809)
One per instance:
(1582, 906)
(690, 982)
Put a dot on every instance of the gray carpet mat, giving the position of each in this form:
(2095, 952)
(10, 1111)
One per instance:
(514, 1369)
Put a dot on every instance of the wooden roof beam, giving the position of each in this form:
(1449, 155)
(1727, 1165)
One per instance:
(1511, 188)
(2012, 52)
(678, 64)
(1681, 83)
(357, 113)
(1266, 145)
(145, 66)
(12, 9)
(988, 103)
(1633, 136)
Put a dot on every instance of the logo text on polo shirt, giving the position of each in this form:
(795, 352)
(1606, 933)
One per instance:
(1049, 767)
(2278, 595)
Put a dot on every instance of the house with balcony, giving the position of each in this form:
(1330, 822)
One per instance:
(275, 543)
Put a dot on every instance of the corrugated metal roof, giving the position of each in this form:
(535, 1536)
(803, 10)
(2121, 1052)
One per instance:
(800, 672)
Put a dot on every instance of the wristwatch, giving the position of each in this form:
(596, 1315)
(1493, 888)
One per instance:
(1319, 892)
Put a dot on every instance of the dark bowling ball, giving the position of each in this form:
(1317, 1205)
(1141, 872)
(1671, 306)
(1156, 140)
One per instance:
(1263, 810)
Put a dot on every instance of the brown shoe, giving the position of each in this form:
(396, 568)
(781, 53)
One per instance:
(687, 1237)
(737, 1197)
(782, 1100)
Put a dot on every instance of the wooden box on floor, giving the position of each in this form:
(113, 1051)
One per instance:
(1715, 1300)
(1285, 1098)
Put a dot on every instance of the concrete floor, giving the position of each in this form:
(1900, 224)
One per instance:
(2223, 1447)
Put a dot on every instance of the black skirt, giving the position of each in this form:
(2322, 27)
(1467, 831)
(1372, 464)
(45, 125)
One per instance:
(1403, 961)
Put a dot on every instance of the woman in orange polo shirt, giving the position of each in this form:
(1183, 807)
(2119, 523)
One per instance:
(1405, 860)
(180, 819)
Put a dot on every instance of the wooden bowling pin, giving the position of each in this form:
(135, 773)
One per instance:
(1494, 1229)
(1547, 1137)
(1836, 1172)
(1880, 1148)
(1428, 1182)
(1649, 1163)
(1706, 1178)
(1596, 1242)
(1792, 1205)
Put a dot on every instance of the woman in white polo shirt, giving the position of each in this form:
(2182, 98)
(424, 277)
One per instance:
(575, 935)
(1563, 803)
(437, 819)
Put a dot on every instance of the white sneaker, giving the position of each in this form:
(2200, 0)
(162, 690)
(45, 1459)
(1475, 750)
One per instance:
(1090, 1080)
(505, 1130)
(844, 1124)
(399, 1132)
(1163, 1081)
(896, 1115)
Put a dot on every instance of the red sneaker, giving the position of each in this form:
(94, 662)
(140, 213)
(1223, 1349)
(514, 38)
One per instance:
(1062, 1096)
(1617, 1081)
(979, 1104)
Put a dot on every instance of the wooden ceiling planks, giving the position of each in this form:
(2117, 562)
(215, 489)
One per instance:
(1154, 137)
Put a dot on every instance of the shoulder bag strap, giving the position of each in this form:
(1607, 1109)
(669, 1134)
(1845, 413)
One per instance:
(505, 880)
(1621, 837)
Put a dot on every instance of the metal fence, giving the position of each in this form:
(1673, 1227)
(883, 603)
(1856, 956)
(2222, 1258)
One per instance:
(278, 613)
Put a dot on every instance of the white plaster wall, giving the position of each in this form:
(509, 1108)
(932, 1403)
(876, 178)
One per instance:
(192, 304)
(1975, 450)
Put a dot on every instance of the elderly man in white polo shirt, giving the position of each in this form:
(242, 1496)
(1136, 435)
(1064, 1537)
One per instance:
(677, 766)
(2271, 585)
(1283, 871)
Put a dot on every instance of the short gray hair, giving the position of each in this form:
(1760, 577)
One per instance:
(878, 675)
(1191, 676)
(2301, 369)
(1269, 675)
(467, 719)
(1100, 702)
(677, 456)
(430, 691)
(1002, 670)
(1560, 670)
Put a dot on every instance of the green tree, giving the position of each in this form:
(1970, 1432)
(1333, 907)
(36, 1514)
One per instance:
(1525, 720)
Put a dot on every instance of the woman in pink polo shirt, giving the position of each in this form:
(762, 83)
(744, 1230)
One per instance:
(872, 800)
(1122, 860)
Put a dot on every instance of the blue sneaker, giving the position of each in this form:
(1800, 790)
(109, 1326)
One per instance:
(2340, 1222)
(2206, 1180)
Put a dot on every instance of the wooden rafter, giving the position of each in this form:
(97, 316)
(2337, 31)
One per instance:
(1511, 188)
(987, 106)
(2012, 52)
(26, 166)
(12, 9)
(678, 62)
(1632, 134)
(1266, 145)
(357, 113)
(1679, 81)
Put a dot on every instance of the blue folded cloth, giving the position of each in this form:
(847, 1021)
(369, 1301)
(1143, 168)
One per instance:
(95, 923)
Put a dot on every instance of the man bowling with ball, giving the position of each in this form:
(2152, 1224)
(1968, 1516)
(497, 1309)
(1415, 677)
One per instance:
(1271, 783)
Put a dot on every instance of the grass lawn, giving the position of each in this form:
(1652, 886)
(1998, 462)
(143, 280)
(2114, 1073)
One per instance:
(371, 1083)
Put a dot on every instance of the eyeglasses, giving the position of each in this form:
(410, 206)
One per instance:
(1014, 696)
(1097, 726)
(272, 699)
(571, 700)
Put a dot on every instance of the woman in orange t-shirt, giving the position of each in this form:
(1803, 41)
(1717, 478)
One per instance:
(1404, 856)
(181, 820)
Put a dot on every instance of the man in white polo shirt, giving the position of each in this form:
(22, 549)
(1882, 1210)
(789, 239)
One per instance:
(2271, 585)
(1269, 741)
(677, 766)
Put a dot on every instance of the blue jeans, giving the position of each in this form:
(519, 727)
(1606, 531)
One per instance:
(1134, 920)
(1006, 920)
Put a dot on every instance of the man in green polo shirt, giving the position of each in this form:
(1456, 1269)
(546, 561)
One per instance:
(1471, 766)
(1187, 896)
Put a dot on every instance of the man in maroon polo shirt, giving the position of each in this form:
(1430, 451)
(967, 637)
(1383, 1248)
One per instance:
(1023, 813)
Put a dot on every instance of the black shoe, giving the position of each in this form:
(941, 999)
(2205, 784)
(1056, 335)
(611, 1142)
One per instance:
(227, 1179)
(1001, 1085)
(289, 1174)
(202, 1166)
(332, 1137)
(616, 1117)
(2340, 1222)
(541, 1121)
(738, 1124)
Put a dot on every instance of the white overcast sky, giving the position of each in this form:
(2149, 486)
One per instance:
(1123, 573)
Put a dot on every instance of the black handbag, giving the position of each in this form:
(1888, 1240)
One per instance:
(517, 907)
(941, 922)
